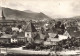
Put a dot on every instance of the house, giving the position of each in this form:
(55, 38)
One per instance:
(62, 37)
(55, 35)
(51, 41)
(72, 32)
(21, 37)
(67, 34)
(40, 38)
(18, 37)
(72, 29)
(5, 38)
(15, 38)
(54, 38)
(30, 32)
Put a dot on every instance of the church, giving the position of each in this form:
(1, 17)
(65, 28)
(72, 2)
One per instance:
(5, 23)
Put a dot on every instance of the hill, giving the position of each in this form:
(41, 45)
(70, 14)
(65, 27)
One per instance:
(22, 15)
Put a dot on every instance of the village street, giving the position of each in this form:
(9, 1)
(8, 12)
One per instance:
(46, 52)
(21, 51)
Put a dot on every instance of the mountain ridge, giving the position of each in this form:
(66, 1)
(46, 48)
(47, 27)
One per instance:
(22, 15)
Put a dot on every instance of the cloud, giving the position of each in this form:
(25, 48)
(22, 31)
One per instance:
(76, 7)
(53, 8)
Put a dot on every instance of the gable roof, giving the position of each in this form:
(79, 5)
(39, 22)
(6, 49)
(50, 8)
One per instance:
(73, 31)
(30, 28)
(67, 34)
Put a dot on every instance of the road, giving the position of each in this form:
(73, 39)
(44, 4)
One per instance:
(5, 50)
(21, 51)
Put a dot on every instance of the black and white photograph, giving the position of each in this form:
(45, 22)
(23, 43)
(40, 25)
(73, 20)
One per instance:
(39, 27)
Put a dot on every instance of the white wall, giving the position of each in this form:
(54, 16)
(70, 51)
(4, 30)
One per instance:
(13, 40)
(28, 34)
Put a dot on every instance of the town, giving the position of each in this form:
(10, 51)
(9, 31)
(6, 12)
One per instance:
(49, 35)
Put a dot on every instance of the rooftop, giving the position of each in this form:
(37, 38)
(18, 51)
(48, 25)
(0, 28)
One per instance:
(30, 28)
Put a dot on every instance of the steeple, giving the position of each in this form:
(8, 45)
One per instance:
(3, 17)
(30, 27)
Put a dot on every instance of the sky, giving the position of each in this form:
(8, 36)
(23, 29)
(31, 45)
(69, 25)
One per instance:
(52, 8)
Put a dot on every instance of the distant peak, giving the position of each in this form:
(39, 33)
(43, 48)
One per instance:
(29, 11)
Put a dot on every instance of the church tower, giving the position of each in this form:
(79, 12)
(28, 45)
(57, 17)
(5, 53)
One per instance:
(30, 32)
(3, 17)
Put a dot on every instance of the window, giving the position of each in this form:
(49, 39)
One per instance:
(27, 34)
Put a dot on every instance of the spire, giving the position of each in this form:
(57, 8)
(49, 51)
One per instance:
(30, 27)
(3, 17)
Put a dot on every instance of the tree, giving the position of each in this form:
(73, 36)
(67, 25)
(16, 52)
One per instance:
(62, 26)
(8, 30)
(42, 30)
(58, 24)
(19, 26)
